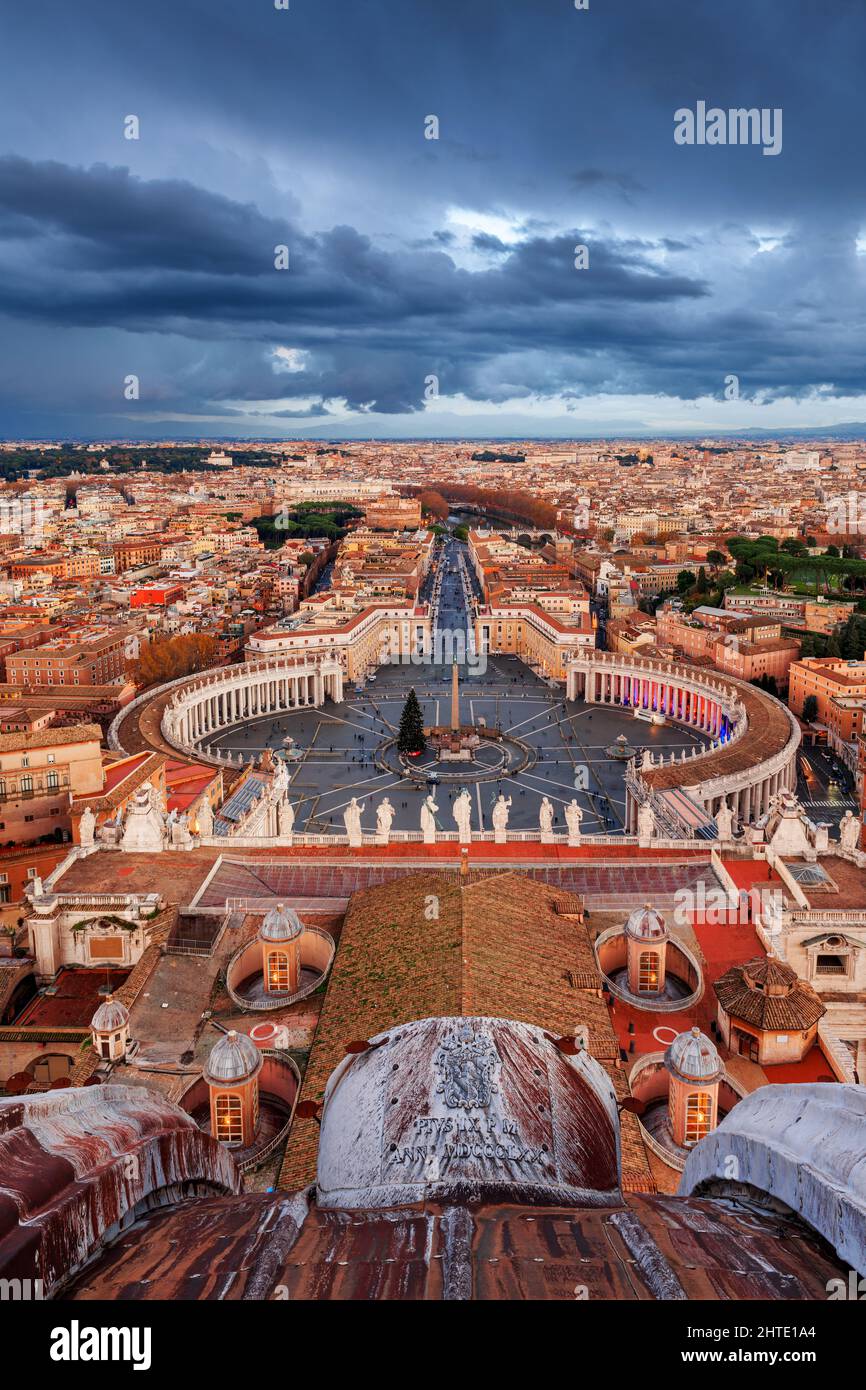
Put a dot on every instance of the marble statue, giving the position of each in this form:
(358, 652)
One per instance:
(280, 783)
(109, 831)
(462, 813)
(545, 821)
(573, 818)
(179, 831)
(204, 817)
(725, 822)
(646, 821)
(501, 808)
(285, 819)
(822, 837)
(849, 832)
(87, 828)
(352, 821)
(384, 819)
(428, 822)
(144, 828)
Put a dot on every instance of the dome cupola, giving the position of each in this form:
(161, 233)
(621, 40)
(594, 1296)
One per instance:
(280, 923)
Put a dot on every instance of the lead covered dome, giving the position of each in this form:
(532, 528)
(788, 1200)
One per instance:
(280, 923)
(235, 1058)
(110, 1016)
(469, 1109)
(646, 924)
(692, 1057)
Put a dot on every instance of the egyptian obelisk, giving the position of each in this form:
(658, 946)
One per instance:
(455, 699)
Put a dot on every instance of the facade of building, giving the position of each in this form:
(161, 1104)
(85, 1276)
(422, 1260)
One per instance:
(40, 773)
(86, 656)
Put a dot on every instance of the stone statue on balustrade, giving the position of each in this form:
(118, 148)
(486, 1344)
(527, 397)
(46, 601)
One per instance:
(144, 829)
(384, 820)
(110, 830)
(428, 819)
(352, 821)
(573, 818)
(545, 821)
(501, 807)
(725, 822)
(87, 828)
(849, 832)
(462, 813)
(204, 818)
(178, 829)
(280, 784)
(646, 823)
(285, 819)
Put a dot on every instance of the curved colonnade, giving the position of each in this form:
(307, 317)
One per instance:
(755, 738)
(750, 759)
(237, 694)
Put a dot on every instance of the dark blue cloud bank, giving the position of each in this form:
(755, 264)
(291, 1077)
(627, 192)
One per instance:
(410, 258)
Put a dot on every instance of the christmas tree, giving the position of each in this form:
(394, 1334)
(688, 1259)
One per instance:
(410, 738)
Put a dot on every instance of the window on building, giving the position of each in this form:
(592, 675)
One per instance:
(648, 972)
(278, 970)
(229, 1120)
(698, 1112)
(831, 965)
(747, 1044)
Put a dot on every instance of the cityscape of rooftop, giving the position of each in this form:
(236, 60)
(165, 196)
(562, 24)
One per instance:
(432, 672)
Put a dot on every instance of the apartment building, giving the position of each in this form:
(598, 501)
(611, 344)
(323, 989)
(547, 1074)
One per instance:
(39, 772)
(135, 551)
(86, 656)
(839, 688)
(361, 638)
(532, 608)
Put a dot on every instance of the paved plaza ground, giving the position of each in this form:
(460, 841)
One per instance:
(340, 746)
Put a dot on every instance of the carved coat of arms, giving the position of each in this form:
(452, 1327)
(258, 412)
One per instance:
(466, 1062)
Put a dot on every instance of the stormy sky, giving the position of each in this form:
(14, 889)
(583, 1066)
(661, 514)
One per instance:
(431, 286)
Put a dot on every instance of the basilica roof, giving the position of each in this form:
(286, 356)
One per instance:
(423, 946)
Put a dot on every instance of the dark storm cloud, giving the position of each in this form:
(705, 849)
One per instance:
(305, 128)
(175, 258)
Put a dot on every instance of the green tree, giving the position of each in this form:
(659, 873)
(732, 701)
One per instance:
(834, 646)
(810, 709)
(715, 557)
(792, 545)
(685, 580)
(410, 737)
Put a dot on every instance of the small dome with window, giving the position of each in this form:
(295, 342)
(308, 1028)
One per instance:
(646, 924)
(235, 1058)
(692, 1057)
(280, 923)
(110, 1017)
